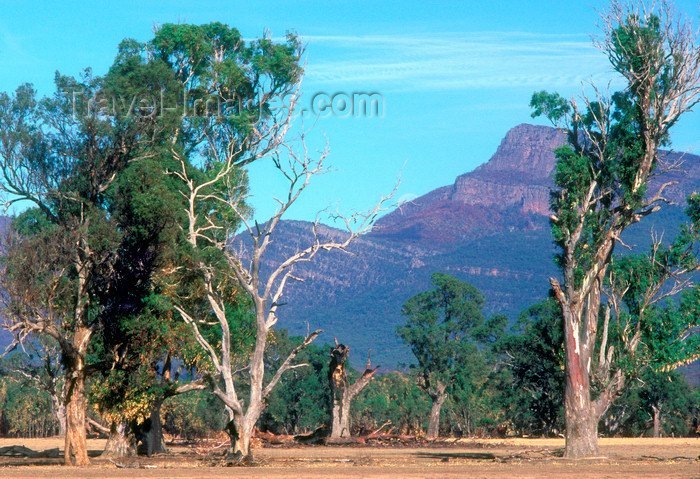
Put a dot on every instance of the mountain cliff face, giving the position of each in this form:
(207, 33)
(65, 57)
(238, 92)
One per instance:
(503, 193)
(490, 228)
(518, 174)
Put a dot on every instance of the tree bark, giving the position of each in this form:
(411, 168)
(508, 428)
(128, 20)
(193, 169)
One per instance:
(337, 384)
(120, 442)
(438, 399)
(657, 421)
(76, 434)
(239, 434)
(580, 414)
(340, 422)
(76, 437)
(154, 436)
(242, 444)
(581, 423)
(59, 410)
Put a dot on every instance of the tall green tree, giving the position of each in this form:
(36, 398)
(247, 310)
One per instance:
(62, 162)
(143, 337)
(91, 159)
(217, 67)
(602, 178)
(444, 328)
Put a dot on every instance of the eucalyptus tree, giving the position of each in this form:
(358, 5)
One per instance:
(231, 88)
(444, 328)
(88, 164)
(603, 177)
(62, 161)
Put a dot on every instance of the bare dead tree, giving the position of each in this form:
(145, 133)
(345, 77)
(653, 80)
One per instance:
(222, 191)
(341, 392)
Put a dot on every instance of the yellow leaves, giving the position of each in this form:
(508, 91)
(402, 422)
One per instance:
(684, 362)
(136, 405)
(3, 393)
(134, 408)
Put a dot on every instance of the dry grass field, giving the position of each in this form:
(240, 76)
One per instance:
(511, 458)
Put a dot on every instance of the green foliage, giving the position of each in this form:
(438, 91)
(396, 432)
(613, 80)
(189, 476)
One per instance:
(448, 336)
(472, 407)
(670, 336)
(666, 331)
(394, 397)
(192, 416)
(677, 403)
(190, 66)
(300, 402)
(25, 410)
(551, 105)
(441, 328)
(533, 389)
(608, 142)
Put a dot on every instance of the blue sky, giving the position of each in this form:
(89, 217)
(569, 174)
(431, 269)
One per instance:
(454, 76)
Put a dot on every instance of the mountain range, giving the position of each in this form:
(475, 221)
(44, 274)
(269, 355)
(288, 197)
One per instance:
(489, 228)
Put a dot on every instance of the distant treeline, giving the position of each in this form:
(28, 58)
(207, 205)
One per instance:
(516, 389)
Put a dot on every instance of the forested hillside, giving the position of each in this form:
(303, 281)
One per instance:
(490, 228)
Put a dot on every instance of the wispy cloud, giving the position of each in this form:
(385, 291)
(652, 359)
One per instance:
(11, 45)
(455, 61)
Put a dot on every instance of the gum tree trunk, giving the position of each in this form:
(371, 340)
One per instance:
(581, 420)
(76, 452)
(120, 443)
(240, 431)
(76, 441)
(340, 423)
(59, 409)
(154, 437)
(657, 421)
(241, 445)
(438, 399)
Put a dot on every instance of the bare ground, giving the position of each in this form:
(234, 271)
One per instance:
(487, 458)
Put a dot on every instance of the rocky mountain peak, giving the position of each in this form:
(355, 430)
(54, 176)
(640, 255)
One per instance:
(525, 149)
(513, 185)
(517, 175)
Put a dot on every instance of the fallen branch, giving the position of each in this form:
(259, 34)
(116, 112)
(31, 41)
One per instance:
(668, 458)
(482, 456)
(376, 431)
(344, 440)
(271, 438)
(22, 451)
(132, 465)
(315, 437)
